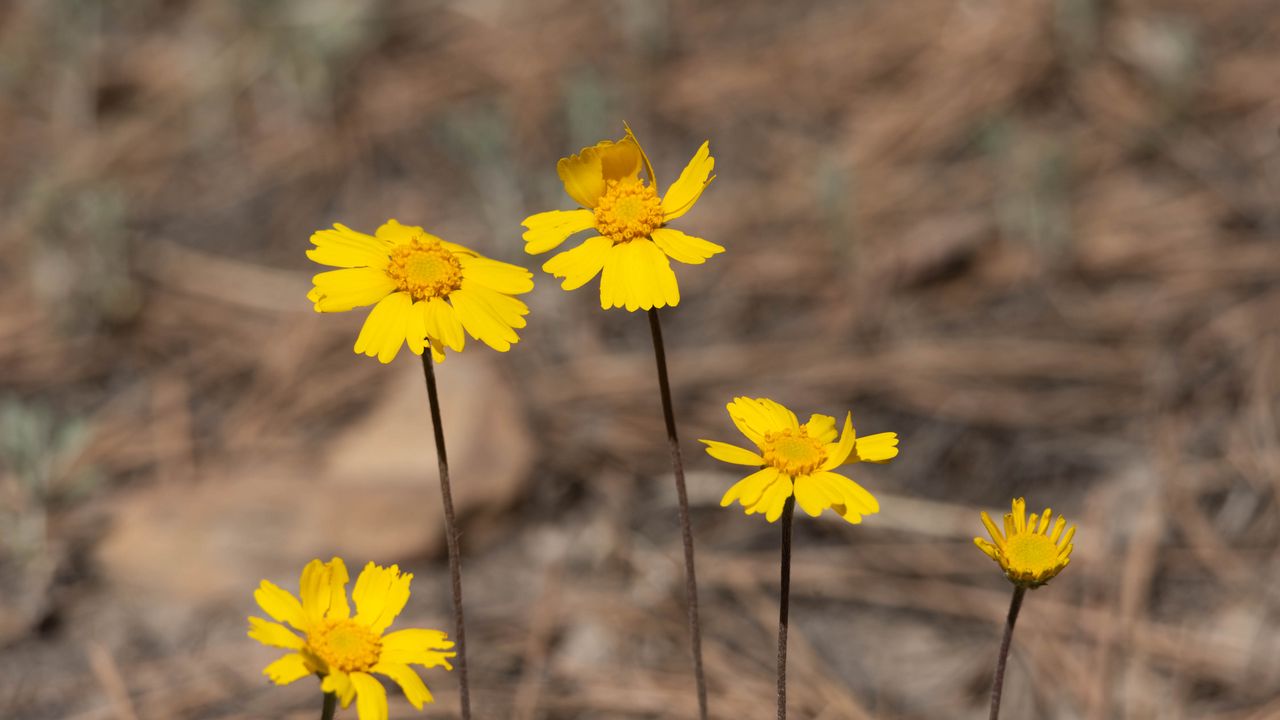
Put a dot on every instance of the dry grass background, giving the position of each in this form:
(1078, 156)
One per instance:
(1037, 239)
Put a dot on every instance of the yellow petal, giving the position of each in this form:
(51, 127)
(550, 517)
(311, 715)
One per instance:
(482, 322)
(856, 500)
(393, 233)
(442, 324)
(414, 689)
(648, 166)
(380, 594)
(497, 276)
(415, 328)
(342, 290)
(621, 159)
(732, 453)
(583, 176)
(749, 489)
(613, 279)
(280, 604)
(996, 535)
(548, 230)
(686, 190)
(507, 309)
(417, 646)
(838, 453)
(821, 428)
(339, 683)
(810, 497)
(684, 248)
(878, 448)
(753, 418)
(776, 499)
(579, 265)
(287, 669)
(986, 547)
(338, 579)
(371, 698)
(650, 281)
(386, 327)
(274, 634)
(345, 248)
(313, 588)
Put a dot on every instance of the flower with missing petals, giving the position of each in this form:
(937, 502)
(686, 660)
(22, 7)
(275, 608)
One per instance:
(798, 458)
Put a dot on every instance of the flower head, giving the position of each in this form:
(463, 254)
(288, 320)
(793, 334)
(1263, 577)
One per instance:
(1028, 552)
(425, 291)
(344, 649)
(798, 459)
(633, 246)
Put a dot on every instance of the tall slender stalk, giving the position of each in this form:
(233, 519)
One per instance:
(784, 605)
(451, 538)
(1014, 606)
(686, 530)
(330, 705)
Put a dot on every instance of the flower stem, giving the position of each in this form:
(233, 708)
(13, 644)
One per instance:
(451, 538)
(330, 705)
(1014, 606)
(686, 530)
(784, 605)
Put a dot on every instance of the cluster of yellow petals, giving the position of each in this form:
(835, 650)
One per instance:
(798, 459)
(1031, 551)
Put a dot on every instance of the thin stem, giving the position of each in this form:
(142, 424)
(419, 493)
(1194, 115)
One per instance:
(686, 530)
(451, 538)
(1014, 606)
(784, 605)
(330, 704)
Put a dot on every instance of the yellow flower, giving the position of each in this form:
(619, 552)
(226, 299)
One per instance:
(798, 458)
(634, 243)
(1030, 555)
(343, 649)
(425, 291)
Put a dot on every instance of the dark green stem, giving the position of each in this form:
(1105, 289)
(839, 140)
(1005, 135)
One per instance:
(330, 705)
(784, 604)
(682, 495)
(998, 686)
(451, 538)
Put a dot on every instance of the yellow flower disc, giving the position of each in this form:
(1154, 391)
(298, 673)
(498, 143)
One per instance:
(425, 269)
(345, 645)
(793, 452)
(629, 209)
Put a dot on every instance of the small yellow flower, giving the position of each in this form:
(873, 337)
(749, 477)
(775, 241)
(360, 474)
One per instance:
(425, 291)
(798, 458)
(634, 243)
(342, 649)
(1029, 554)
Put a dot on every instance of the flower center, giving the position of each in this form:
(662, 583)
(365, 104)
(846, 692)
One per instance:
(345, 645)
(628, 210)
(424, 268)
(793, 451)
(1031, 553)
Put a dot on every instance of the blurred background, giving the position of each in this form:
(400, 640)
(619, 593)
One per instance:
(1036, 239)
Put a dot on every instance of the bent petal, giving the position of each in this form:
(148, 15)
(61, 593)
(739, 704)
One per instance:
(749, 489)
(481, 321)
(496, 275)
(650, 281)
(838, 453)
(386, 328)
(686, 190)
(339, 683)
(380, 594)
(583, 176)
(546, 231)
(821, 428)
(684, 248)
(417, 646)
(280, 604)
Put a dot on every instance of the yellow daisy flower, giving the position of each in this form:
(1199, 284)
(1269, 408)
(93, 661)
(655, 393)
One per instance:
(344, 650)
(425, 291)
(798, 458)
(1029, 554)
(634, 244)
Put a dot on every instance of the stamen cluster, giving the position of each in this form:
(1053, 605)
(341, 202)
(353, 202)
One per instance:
(345, 645)
(628, 209)
(792, 451)
(424, 268)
